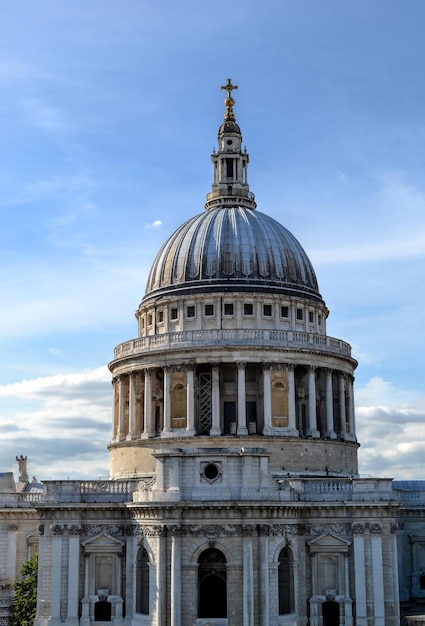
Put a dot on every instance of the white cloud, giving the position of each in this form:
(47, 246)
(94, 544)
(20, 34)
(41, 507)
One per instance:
(62, 423)
(155, 224)
(390, 423)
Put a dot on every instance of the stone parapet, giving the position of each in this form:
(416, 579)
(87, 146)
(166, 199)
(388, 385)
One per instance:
(254, 338)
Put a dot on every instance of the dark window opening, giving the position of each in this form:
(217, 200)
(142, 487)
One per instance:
(160, 316)
(149, 320)
(228, 308)
(311, 317)
(229, 168)
(284, 311)
(211, 471)
(320, 320)
(142, 582)
(102, 611)
(209, 309)
(190, 311)
(174, 314)
(330, 611)
(248, 308)
(229, 414)
(285, 582)
(212, 587)
(422, 582)
(299, 314)
(267, 310)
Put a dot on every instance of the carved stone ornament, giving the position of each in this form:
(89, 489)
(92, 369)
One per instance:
(57, 529)
(358, 529)
(146, 484)
(87, 529)
(375, 529)
(74, 530)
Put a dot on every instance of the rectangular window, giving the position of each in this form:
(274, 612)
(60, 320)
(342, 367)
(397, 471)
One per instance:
(284, 311)
(229, 168)
(311, 317)
(228, 308)
(319, 320)
(190, 311)
(174, 313)
(209, 309)
(299, 314)
(160, 316)
(248, 308)
(267, 310)
(150, 319)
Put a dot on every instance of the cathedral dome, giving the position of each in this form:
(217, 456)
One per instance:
(231, 249)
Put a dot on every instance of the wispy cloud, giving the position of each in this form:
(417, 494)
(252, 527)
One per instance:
(155, 224)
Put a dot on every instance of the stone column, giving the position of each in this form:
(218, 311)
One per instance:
(292, 428)
(161, 577)
(359, 574)
(396, 588)
(263, 546)
(55, 589)
(132, 407)
(12, 530)
(190, 399)
(215, 402)
(342, 415)
(73, 571)
(176, 577)
(242, 429)
(43, 599)
(330, 432)
(147, 409)
(352, 418)
(248, 579)
(130, 575)
(114, 436)
(377, 575)
(167, 412)
(121, 409)
(267, 400)
(312, 416)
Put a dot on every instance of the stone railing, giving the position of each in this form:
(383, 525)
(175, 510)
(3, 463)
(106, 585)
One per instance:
(241, 337)
(112, 487)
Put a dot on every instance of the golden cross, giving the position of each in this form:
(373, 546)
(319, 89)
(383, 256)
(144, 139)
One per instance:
(229, 87)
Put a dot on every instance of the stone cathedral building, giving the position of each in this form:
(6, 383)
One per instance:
(234, 496)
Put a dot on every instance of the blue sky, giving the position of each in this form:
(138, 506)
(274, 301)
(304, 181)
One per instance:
(109, 112)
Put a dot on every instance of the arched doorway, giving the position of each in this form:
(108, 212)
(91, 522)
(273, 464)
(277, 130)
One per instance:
(330, 612)
(212, 586)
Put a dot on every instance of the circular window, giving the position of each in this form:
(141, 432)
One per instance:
(211, 471)
(229, 142)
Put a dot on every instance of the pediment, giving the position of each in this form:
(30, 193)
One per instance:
(418, 535)
(328, 542)
(103, 543)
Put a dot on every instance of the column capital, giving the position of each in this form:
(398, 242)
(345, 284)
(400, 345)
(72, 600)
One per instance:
(357, 528)
(241, 364)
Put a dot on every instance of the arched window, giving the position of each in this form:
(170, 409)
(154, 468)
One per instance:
(286, 582)
(142, 582)
(212, 587)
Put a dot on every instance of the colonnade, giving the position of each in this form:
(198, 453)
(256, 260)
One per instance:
(144, 404)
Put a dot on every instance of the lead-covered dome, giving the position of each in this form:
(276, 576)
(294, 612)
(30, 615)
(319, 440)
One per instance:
(232, 249)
